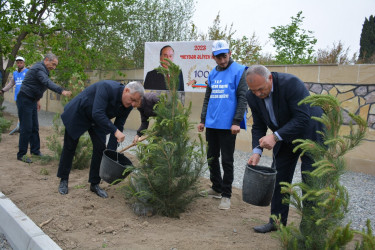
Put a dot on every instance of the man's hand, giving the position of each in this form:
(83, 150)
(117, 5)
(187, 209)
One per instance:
(235, 129)
(66, 93)
(119, 135)
(267, 142)
(38, 106)
(136, 138)
(254, 160)
(200, 127)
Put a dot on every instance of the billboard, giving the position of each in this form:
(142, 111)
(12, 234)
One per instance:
(194, 58)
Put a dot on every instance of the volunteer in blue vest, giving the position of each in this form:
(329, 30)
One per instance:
(223, 110)
(18, 77)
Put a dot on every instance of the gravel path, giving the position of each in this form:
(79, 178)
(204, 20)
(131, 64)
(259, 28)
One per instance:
(360, 186)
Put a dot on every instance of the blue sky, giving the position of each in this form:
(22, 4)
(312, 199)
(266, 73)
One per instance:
(330, 20)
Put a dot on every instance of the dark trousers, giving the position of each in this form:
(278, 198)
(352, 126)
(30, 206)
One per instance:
(221, 141)
(69, 150)
(29, 125)
(286, 162)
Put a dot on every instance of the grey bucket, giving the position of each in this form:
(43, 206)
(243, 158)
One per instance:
(258, 185)
(113, 165)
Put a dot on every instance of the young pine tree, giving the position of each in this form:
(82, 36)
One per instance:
(324, 201)
(170, 164)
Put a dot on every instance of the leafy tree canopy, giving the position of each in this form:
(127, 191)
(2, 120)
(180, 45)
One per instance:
(87, 34)
(245, 50)
(338, 54)
(293, 44)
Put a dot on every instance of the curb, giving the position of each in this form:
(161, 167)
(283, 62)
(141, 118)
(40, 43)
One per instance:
(20, 231)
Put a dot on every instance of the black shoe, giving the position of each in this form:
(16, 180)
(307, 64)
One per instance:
(63, 187)
(25, 159)
(98, 190)
(265, 228)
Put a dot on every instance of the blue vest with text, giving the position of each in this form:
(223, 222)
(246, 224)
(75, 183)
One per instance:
(18, 78)
(223, 100)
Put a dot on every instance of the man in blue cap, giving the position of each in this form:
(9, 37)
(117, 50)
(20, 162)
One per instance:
(222, 113)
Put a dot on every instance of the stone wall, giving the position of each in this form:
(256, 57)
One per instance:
(356, 99)
(353, 85)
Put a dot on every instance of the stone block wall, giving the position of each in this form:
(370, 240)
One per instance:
(353, 85)
(356, 99)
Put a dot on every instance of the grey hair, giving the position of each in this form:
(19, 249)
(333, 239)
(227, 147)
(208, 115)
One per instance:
(135, 87)
(50, 57)
(258, 70)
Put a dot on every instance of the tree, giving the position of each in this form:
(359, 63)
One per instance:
(324, 201)
(335, 55)
(170, 164)
(88, 34)
(80, 33)
(293, 44)
(367, 41)
(244, 50)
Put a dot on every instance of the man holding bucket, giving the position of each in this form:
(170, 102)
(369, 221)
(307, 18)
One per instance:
(273, 99)
(92, 111)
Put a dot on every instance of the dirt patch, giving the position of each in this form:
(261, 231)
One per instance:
(82, 220)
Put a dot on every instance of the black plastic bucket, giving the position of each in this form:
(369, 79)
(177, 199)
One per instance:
(258, 185)
(113, 165)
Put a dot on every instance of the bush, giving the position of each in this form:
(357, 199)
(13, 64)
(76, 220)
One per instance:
(4, 123)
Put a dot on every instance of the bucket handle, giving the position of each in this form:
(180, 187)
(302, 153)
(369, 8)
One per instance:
(273, 166)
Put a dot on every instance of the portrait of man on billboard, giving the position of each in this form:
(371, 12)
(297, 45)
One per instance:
(155, 80)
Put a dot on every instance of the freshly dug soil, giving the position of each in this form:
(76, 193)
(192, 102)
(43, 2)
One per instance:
(82, 220)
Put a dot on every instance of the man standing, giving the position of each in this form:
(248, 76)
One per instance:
(273, 99)
(17, 79)
(146, 110)
(33, 86)
(155, 80)
(222, 112)
(92, 111)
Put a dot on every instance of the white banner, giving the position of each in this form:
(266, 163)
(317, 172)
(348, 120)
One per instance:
(194, 58)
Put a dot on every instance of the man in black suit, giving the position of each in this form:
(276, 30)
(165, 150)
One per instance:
(146, 110)
(155, 80)
(273, 99)
(92, 111)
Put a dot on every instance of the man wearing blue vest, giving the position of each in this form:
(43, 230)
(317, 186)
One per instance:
(223, 110)
(18, 77)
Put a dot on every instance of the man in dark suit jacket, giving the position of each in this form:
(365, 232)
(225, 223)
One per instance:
(92, 111)
(155, 80)
(273, 99)
(146, 110)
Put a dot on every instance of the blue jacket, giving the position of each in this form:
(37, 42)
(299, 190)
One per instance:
(294, 121)
(95, 107)
(37, 81)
